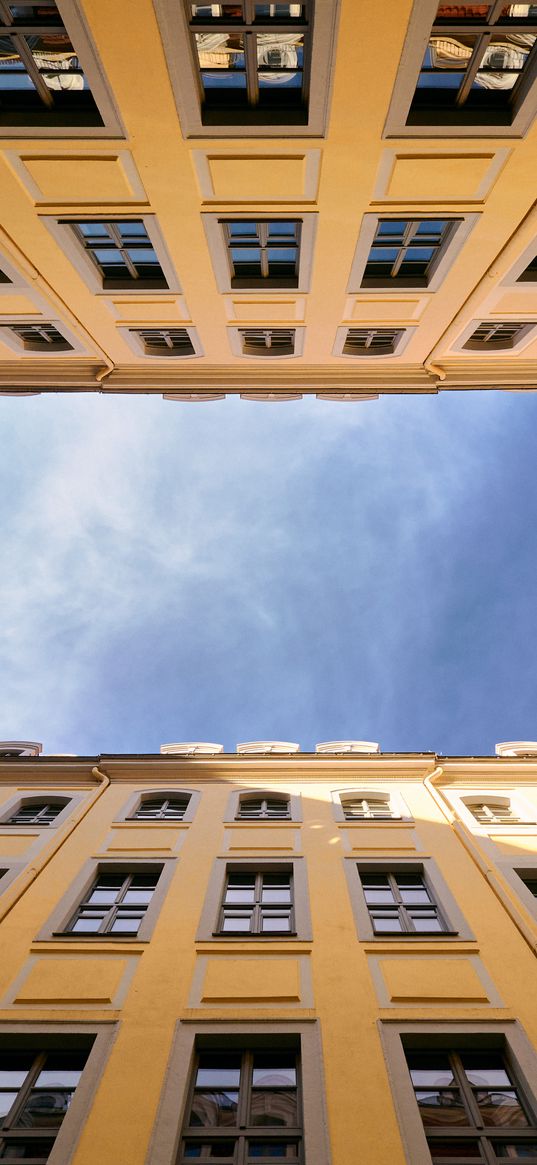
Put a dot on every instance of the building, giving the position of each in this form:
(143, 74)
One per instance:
(318, 197)
(268, 955)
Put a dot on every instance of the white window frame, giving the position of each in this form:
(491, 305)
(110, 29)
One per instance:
(236, 341)
(63, 234)
(136, 344)
(465, 223)
(213, 224)
(401, 343)
(399, 808)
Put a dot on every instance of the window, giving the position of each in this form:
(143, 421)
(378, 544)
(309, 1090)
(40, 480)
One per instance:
(252, 899)
(401, 903)
(478, 68)
(165, 341)
(372, 341)
(263, 253)
(529, 878)
(493, 811)
(406, 251)
(470, 1102)
(253, 61)
(529, 273)
(49, 75)
(257, 903)
(39, 337)
(374, 806)
(162, 808)
(34, 812)
(493, 337)
(244, 1103)
(403, 898)
(263, 69)
(264, 808)
(116, 903)
(160, 805)
(37, 1084)
(268, 341)
(121, 251)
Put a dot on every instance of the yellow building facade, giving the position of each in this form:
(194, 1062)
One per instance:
(320, 197)
(269, 955)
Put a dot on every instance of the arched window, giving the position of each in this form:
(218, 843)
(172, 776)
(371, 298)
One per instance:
(366, 806)
(37, 812)
(164, 807)
(265, 806)
(493, 810)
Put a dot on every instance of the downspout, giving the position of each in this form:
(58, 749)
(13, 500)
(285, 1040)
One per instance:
(520, 236)
(21, 260)
(29, 875)
(479, 857)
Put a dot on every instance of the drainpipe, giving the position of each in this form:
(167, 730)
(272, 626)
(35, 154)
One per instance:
(24, 881)
(22, 261)
(523, 234)
(497, 884)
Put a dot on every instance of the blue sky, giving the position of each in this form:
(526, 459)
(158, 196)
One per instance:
(302, 571)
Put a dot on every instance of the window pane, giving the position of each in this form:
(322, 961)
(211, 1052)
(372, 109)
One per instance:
(214, 1108)
(135, 897)
(7, 1099)
(485, 1068)
(270, 1107)
(414, 897)
(126, 924)
(271, 894)
(426, 923)
(501, 1108)
(103, 897)
(237, 922)
(429, 1070)
(442, 1107)
(274, 1070)
(21, 1150)
(517, 1151)
(288, 1150)
(44, 1109)
(275, 922)
(216, 1070)
(88, 925)
(455, 1150)
(379, 897)
(215, 1150)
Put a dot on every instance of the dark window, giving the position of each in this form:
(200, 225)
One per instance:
(494, 811)
(493, 337)
(116, 903)
(165, 341)
(529, 878)
(37, 1085)
(478, 65)
(122, 253)
(471, 1104)
(406, 251)
(159, 808)
(41, 79)
(372, 341)
(270, 808)
(263, 254)
(253, 61)
(245, 1105)
(267, 341)
(358, 808)
(257, 903)
(36, 813)
(401, 903)
(529, 274)
(40, 337)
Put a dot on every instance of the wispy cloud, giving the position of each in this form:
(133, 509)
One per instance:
(236, 570)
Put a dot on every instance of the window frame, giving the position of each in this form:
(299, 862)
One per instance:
(60, 226)
(415, 45)
(237, 342)
(235, 798)
(138, 345)
(213, 225)
(9, 337)
(54, 1035)
(55, 928)
(509, 1036)
(188, 1037)
(512, 869)
(208, 929)
(405, 336)
(184, 77)
(526, 812)
(256, 909)
(14, 804)
(457, 928)
(126, 814)
(484, 348)
(400, 810)
(463, 224)
(73, 20)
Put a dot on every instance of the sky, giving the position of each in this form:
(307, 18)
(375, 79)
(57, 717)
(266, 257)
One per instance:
(300, 571)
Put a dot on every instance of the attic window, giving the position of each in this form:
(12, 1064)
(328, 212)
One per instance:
(497, 337)
(268, 341)
(372, 341)
(165, 341)
(40, 338)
